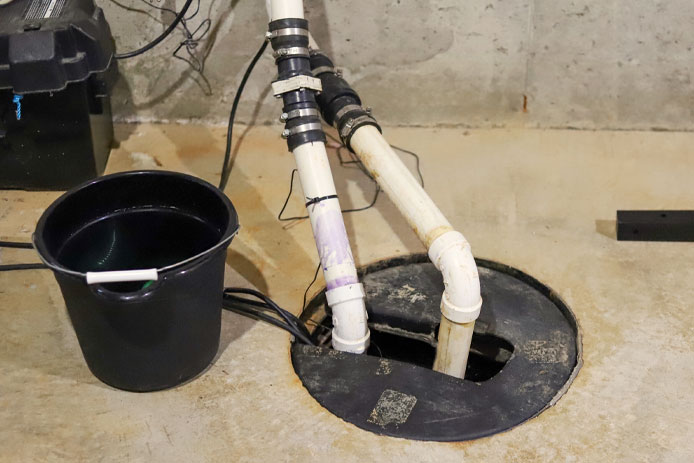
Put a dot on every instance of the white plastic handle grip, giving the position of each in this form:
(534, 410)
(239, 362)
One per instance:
(122, 275)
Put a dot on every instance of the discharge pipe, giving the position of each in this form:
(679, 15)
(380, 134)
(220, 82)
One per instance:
(296, 85)
(448, 250)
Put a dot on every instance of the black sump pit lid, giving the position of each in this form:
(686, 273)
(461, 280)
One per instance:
(396, 398)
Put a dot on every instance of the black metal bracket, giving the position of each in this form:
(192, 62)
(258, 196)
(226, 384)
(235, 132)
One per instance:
(655, 226)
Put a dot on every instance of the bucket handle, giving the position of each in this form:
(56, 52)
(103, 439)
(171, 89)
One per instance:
(122, 275)
(128, 275)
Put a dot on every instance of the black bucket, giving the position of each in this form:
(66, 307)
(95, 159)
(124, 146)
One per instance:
(163, 328)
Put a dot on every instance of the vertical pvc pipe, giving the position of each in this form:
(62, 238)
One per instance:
(280, 9)
(345, 295)
(344, 292)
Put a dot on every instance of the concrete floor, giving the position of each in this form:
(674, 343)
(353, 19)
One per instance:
(542, 201)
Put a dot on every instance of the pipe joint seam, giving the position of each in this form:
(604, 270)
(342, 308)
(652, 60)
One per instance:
(348, 108)
(348, 125)
(285, 23)
(443, 243)
(348, 298)
(457, 314)
(311, 136)
(301, 130)
(345, 293)
(358, 346)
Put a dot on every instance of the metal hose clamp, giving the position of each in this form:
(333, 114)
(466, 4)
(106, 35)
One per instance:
(290, 51)
(303, 112)
(286, 133)
(287, 31)
(346, 129)
(345, 109)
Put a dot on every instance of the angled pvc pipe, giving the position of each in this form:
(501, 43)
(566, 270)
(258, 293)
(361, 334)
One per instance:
(447, 249)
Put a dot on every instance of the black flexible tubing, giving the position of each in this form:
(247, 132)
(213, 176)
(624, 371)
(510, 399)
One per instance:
(226, 166)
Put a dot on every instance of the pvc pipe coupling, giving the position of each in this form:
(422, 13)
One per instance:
(448, 250)
(348, 301)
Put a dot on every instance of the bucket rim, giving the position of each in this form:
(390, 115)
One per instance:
(51, 262)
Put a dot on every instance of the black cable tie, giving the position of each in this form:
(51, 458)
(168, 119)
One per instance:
(312, 201)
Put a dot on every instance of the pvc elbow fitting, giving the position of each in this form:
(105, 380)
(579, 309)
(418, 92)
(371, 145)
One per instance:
(461, 301)
(350, 331)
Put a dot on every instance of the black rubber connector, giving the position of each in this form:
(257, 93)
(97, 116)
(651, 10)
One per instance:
(339, 103)
(289, 66)
(288, 22)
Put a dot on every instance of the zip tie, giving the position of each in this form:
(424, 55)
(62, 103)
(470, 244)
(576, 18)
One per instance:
(314, 201)
(17, 100)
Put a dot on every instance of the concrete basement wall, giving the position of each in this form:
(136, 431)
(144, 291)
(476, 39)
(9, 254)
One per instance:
(596, 64)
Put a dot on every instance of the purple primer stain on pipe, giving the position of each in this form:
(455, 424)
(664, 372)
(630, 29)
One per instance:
(342, 281)
(333, 245)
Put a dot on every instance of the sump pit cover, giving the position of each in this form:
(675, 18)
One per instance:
(395, 398)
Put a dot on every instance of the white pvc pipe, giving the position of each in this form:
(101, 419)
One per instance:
(460, 303)
(344, 293)
(448, 249)
(282, 9)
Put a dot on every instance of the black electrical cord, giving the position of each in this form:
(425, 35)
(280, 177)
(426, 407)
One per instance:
(344, 211)
(12, 267)
(285, 314)
(315, 277)
(15, 244)
(359, 164)
(261, 315)
(158, 40)
(192, 37)
(416, 159)
(291, 323)
(258, 315)
(354, 160)
(288, 317)
(226, 166)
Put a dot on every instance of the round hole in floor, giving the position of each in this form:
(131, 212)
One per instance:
(526, 351)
